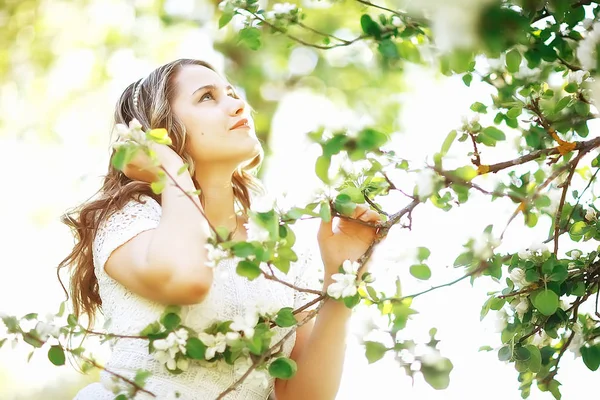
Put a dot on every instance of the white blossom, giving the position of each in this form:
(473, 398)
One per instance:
(432, 357)
(576, 343)
(578, 76)
(345, 284)
(115, 385)
(517, 275)
(454, 23)
(575, 254)
(263, 204)
(214, 255)
(266, 308)
(427, 181)
(541, 339)
(168, 348)
(501, 321)
(484, 245)
(538, 248)
(245, 323)
(586, 52)
(522, 307)
(396, 21)
(259, 377)
(590, 214)
(283, 8)
(133, 131)
(45, 330)
(214, 344)
(256, 232)
(524, 254)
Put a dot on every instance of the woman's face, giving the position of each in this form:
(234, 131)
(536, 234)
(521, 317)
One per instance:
(209, 107)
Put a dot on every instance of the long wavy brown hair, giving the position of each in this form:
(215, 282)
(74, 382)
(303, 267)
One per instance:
(153, 111)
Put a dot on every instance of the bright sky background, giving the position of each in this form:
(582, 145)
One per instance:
(49, 178)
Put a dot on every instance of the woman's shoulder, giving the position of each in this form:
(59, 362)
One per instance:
(142, 207)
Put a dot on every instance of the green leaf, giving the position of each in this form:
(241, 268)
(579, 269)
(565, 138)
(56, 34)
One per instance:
(562, 103)
(514, 112)
(423, 253)
(344, 204)
(369, 26)
(466, 173)
(158, 186)
(420, 271)
(182, 169)
(591, 356)
(352, 301)
(494, 133)
(546, 302)
(171, 321)
(141, 376)
(250, 37)
(467, 79)
(513, 60)
(225, 18)
(243, 249)
(325, 212)
(388, 49)
(374, 351)
(322, 168)
(56, 355)
(248, 269)
(448, 142)
(505, 353)
(479, 107)
(355, 194)
(195, 348)
(285, 317)
(571, 87)
(438, 376)
(535, 358)
(578, 228)
(283, 368)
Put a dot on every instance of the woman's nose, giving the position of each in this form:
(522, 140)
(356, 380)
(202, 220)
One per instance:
(237, 106)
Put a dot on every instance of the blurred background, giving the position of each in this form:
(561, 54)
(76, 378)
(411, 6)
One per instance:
(63, 65)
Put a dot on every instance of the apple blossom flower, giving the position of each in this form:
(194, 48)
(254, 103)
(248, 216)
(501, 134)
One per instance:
(590, 214)
(214, 255)
(484, 245)
(214, 344)
(256, 232)
(578, 77)
(586, 52)
(522, 307)
(517, 276)
(245, 323)
(345, 284)
(259, 377)
(501, 321)
(168, 348)
(427, 183)
(575, 254)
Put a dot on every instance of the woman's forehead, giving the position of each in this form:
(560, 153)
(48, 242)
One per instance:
(191, 77)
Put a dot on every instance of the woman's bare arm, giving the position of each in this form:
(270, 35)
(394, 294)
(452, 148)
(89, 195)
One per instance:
(167, 264)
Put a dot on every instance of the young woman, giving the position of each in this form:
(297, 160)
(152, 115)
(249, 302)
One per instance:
(137, 252)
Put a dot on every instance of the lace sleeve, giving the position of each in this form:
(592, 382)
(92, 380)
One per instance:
(122, 226)
(309, 273)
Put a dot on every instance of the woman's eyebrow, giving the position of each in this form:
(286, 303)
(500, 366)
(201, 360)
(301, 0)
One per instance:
(212, 87)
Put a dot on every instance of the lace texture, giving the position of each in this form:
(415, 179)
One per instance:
(230, 296)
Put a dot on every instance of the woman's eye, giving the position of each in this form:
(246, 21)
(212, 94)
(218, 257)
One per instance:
(234, 95)
(205, 95)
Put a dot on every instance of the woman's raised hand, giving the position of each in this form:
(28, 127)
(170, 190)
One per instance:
(142, 167)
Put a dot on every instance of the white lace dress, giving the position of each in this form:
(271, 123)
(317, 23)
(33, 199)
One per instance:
(230, 296)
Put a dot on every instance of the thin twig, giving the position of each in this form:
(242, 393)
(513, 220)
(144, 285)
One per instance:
(269, 351)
